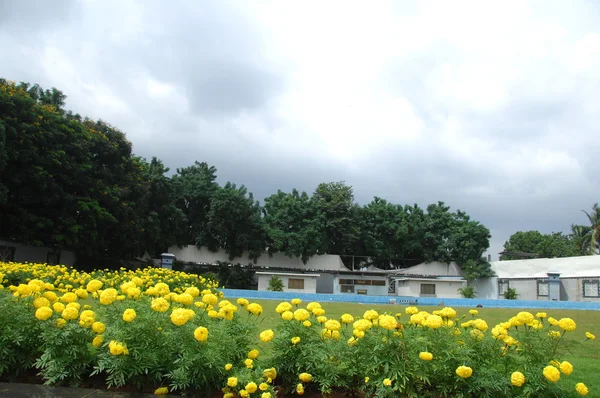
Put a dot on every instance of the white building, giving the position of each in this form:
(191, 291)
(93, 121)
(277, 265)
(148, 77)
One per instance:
(296, 283)
(575, 278)
(429, 280)
(17, 252)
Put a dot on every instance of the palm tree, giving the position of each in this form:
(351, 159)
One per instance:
(580, 235)
(594, 235)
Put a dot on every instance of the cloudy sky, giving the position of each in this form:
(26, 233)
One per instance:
(492, 107)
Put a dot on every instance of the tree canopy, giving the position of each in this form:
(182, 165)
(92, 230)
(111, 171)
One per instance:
(73, 183)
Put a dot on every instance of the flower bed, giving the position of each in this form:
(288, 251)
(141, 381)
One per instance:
(166, 331)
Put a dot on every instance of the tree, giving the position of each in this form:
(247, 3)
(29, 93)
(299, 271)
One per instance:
(438, 229)
(275, 284)
(580, 235)
(194, 187)
(291, 225)
(542, 245)
(594, 233)
(334, 203)
(235, 223)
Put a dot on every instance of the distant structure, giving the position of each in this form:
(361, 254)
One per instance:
(519, 254)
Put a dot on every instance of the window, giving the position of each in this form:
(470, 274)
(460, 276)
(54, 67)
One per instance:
(362, 282)
(361, 291)
(502, 287)
(346, 281)
(7, 253)
(542, 288)
(428, 288)
(295, 283)
(346, 289)
(590, 288)
(378, 283)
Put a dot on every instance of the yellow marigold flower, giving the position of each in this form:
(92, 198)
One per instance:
(69, 297)
(552, 321)
(117, 348)
(301, 315)
(98, 327)
(581, 389)
(98, 340)
(474, 312)
(94, 285)
(201, 333)
(193, 291)
(299, 389)
(312, 305)
(307, 324)
(253, 354)
(43, 313)
(318, 311)
(242, 302)
(359, 334)
(464, 371)
(322, 319)
(249, 363)
(121, 297)
(387, 382)
(129, 315)
(551, 373)
(270, 373)
(498, 332)
(60, 323)
(266, 395)
(362, 325)
(480, 324)
(81, 293)
(333, 325)
(517, 379)
(186, 299)
(41, 302)
(213, 314)
(554, 334)
(75, 305)
(108, 296)
(425, 356)
(367, 379)
(70, 313)
(347, 318)
(232, 381)
(295, 340)
(370, 315)
(305, 377)
(411, 310)
(180, 316)
(251, 387)
(566, 368)
(448, 312)
(287, 315)
(266, 335)
(389, 322)
(296, 301)
(352, 341)
(210, 299)
(541, 315)
(51, 296)
(433, 322)
(243, 393)
(567, 324)
(134, 292)
(254, 309)
(159, 304)
(263, 386)
(589, 336)
(161, 391)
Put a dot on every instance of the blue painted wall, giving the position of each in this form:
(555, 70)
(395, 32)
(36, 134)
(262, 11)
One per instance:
(450, 302)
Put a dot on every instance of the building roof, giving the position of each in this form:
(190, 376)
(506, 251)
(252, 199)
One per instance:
(285, 273)
(568, 267)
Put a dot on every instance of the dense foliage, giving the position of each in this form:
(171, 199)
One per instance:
(68, 182)
(583, 240)
(169, 331)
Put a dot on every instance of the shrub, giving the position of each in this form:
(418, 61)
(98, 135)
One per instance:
(511, 294)
(275, 284)
(467, 292)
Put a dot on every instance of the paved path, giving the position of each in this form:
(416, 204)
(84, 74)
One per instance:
(20, 390)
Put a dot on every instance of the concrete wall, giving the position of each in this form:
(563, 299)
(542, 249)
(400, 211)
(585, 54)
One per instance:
(583, 266)
(434, 269)
(443, 289)
(191, 253)
(487, 288)
(33, 254)
(571, 289)
(310, 283)
(325, 283)
(371, 290)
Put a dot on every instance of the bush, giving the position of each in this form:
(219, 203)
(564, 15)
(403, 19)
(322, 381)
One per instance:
(511, 294)
(467, 292)
(275, 284)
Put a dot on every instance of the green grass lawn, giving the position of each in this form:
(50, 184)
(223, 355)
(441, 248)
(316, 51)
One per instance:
(584, 356)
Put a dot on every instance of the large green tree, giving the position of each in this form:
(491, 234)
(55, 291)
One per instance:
(594, 228)
(292, 225)
(541, 245)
